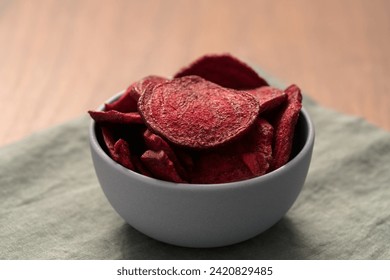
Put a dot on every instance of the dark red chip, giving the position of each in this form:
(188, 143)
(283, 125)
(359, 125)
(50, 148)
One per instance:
(116, 117)
(268, 97)
(122, 154)
(284, 125)
(128, 100)
(196, 113)
(224, 70)
(109, 140)
(138, 88)
(219, 167)
(185, 158)
(118, 150)
(140, 168)
(259, 158)
(246, 158)
(161, 166)
(156, 143)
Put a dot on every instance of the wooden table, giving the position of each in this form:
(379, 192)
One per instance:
(60, 58)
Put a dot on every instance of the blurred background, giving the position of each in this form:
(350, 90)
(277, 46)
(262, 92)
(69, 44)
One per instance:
(60, 58)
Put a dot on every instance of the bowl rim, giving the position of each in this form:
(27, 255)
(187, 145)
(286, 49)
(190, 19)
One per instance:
(202, 187)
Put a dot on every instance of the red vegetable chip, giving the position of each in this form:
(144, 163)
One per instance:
(116, 117)
(285, 123)
(140, 168)
(268, 97)
(156, 143)
(109, 140)
(122, 154)
(118, 150)
(252, 162)
(259, 159)
(128, 100)
(185, 158)
(246, 158)
(148, 82)
(219, 167)
(161, 166)
(224, 70)
(196, 113)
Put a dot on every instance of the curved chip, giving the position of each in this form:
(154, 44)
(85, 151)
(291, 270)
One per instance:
(196, 113)
(156, 143)
(259, 157)
(109, 140)
(224, 70)
(122, 154)
(116, 117)
(147, 82)
(217, 167)
(285, 126)
(160, 166)
(118, 150)
(268, 97)
(128, 100)
(249, 157)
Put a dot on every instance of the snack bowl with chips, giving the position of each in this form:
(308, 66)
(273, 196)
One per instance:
(204, 215)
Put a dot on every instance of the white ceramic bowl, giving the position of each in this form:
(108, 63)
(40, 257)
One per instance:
(200, 215)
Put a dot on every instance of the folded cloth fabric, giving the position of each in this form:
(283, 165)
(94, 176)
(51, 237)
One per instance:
(52, 207)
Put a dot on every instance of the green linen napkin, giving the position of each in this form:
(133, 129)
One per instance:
(52, 207)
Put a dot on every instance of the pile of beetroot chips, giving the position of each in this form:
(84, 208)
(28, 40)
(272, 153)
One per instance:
(215, 121)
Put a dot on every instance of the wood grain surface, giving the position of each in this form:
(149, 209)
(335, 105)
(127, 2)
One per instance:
(60, 58)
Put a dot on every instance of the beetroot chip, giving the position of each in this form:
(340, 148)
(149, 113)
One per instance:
(118, 150)
(122, 154)
(224, 70)
(147, 82)
(128, 100)
(249, 157)
(195, 113)
(109, 140)
(140, 168)
(161, 166)
(285, 126)
(259, 158)
(156, 143)
(268, 97)
(131, 135)
(116, 117)
(252, 162)
(185, 158)
(218, 167)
